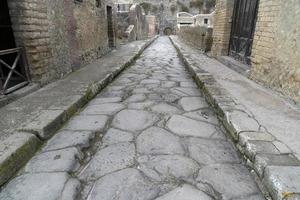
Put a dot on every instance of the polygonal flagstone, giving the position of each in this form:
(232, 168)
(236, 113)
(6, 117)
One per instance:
(189, 84)
(150, 81)
(141, 105)
(87, 123)
(209, 152)
(188, 91)
(205, 114)
(105, 100)
(158, 141)
(185, 192)
(64, 139)
(164, 108)
(65, 160)
(136, 98)
(127, 184)
(114, 136)
(141, 91)
(168, 84)
(184, 126)
(109, 159)
(167, 167)
(134, 120)
(192, 103)
(40, 186)
(230, 181)
(103, 109)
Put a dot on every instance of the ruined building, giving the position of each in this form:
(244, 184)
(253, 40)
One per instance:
(55, 38)
(264, 35)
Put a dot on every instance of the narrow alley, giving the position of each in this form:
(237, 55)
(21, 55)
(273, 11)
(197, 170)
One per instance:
(149, 135)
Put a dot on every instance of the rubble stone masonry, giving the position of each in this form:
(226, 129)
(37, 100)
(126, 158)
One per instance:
(276, 46)
(59, 36)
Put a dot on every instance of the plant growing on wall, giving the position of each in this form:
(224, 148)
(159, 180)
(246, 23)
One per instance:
(204, 6)
(146, 6)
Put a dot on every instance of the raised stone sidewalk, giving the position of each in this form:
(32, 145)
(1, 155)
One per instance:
(264, 126)
(26, 123)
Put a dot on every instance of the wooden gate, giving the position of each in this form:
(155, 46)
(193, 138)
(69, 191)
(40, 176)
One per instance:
(12, 63)
(242, 31)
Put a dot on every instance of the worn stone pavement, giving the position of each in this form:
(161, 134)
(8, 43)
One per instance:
(148, 136)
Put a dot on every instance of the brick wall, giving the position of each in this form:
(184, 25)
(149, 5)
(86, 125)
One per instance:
(222, 27)
(276, 46)
(59, 36)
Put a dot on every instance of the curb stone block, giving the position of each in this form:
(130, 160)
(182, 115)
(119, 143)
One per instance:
(15, 151)
(46, 123)
(244, 137)
(283, 182)
(254, 147)
(263, 160)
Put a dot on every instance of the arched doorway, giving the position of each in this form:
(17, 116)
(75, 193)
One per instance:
(168, 31)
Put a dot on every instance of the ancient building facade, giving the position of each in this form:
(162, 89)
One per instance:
(273, 49)
(60, 36)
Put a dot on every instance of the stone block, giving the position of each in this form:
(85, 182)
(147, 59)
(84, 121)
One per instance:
(263, 160)
(283, 182)
(16, 150)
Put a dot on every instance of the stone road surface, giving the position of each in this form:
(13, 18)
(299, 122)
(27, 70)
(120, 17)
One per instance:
(148, 136)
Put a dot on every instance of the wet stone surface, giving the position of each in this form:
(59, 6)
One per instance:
(149, 135)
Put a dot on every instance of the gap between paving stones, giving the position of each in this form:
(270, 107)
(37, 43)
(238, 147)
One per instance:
(276, 167)
(20, 146)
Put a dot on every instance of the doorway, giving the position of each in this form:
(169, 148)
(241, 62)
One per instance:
(12, 71)
(242, 30)
(110, 28)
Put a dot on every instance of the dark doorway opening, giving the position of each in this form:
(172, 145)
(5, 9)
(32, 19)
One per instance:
(243, 28)
(12, 70)
(168, 31)
(110, 28)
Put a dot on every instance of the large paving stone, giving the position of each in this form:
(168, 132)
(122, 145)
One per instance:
(189, 84)
(141, 105)
(87, 123)
(105, 100)
(164, 108)
(185, 192)
(134, 120)
(158, 141)
(65, 139)
(283, 182)
(109, 159)
(127, 184)
(230, 181)
(71, 189)
(41, 186)
(15, 151)
(65, 160)
(114, 136)
(136, 98)
(209, 152)
(168, 167)
(184, 126)
(192, 103)
(188, 91)
(205, 114)
(103, 109)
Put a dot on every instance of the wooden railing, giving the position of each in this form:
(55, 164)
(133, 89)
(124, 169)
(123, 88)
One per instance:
(9, 72)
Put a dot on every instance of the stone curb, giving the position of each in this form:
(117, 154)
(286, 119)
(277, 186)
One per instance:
(275, 164)
(24, 142)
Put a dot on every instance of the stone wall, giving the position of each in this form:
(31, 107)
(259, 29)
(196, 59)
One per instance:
(59, 36)
(222, 27)
(198, 36)
(276, 46)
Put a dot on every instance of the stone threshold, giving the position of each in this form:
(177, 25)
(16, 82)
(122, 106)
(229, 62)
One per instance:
(18, 144)
(235, 65)
(273, 162)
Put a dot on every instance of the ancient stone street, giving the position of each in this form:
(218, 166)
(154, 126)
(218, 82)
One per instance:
(149, 135)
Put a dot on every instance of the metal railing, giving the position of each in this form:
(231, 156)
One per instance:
(11, 77)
